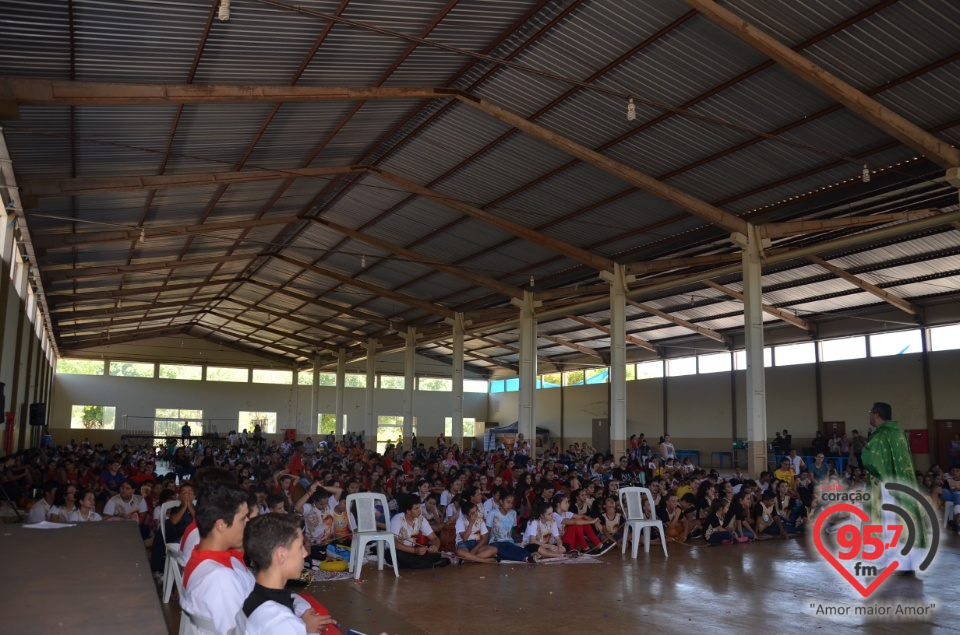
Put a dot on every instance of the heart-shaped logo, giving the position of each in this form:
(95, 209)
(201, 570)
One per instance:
(818, 541)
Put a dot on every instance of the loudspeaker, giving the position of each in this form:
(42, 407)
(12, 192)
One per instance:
(38, 414)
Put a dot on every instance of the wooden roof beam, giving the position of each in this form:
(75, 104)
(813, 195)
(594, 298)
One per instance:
(61, 298)
(792, 228)
(268, 329)
(708, 333)
(452, 270)
(105, 340)
(105, 324)
(248, 337)
(666, 264)
(867, 108)
(336, 309)
(576, 347)
(270, 357)
(69, 315)
(786, 316)
(114, 270)
(320, 326)
(872, 289)
(632, 339)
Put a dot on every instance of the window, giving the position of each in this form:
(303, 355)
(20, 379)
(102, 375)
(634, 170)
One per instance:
(740, 359)
(435, 384)
(389, 430)
(512, 384)
(469, 428)
(715, 363)
(266, 420)
(945, 338)
(631, 372)
(93, 417)
(305, 377)
(173, 371)
(552, 380)
(573, 378)
(169, 422)
(263, 376)
(327, 423)
(846, 348)
(803, 353)
(131, 369)
(496, 386)
(475, 385)
(650, 370)
(353, 380)
(217, 373)
(79, 367)
(393, 382)
(597, 376)
(899, 343)
(681, 366)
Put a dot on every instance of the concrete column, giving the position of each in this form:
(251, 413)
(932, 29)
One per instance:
(409, 377)
(753, 333)
(528, 366)
(369, 418)
(456, 428)
(341, 379)
(618, 358)
(315, 395)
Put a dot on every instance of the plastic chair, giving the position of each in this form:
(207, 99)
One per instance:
(171, 568)
(631, 500)
(198, 625)
(364, 527)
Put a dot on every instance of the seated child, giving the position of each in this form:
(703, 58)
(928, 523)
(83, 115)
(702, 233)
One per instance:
(542, 536)
(501, 522)
(473, 537)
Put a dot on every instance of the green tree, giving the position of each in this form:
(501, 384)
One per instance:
(79, 367)
(92, 417)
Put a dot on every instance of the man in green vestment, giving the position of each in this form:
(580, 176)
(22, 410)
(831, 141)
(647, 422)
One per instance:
(887, 459)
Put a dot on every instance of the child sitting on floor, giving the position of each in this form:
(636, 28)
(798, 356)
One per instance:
(542, 536)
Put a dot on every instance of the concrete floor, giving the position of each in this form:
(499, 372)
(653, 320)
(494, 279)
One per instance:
(765, 588)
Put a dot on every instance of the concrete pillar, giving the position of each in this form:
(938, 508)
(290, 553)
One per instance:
(456, 428)
(618, 358)
(369, 417)
(753, 333)
(528, 366)
(315, 395)
(409, 377)
(341, 379)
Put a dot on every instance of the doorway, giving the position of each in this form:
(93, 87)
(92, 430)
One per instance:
(829, 428)
(601, 435)
(945, 431)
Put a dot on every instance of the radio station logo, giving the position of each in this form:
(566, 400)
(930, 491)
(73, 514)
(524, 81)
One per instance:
(871, 552)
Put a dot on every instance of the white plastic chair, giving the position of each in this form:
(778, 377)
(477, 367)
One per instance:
(172, 575)
(198, 625)
(631, 500)
(363, 523)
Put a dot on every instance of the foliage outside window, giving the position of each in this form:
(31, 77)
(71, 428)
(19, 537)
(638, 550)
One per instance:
(573, 378)
(219, 373)
(169, 421)
(435, 384)
(131, 369)
(551, 380)
(175, 371)
(469, 428)
(79, 367)
(392, 382)
(93, 417)
(631, 372)
(389, 430)
(597, 376)
(266, 420)
(327, 424)
(353, 380)
(264, 376)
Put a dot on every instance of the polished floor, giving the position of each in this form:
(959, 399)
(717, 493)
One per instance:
(765, 587)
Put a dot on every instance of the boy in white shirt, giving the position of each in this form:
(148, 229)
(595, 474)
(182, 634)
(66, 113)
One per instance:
(418, 547)
(274, 544)
(473, 537)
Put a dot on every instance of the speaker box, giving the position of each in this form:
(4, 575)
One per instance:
(38, 414)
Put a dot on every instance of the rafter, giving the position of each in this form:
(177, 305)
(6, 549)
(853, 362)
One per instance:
(104, 340)
(270, 357)
(633, 339)
(709, 333)
(792, 228)
(666, 264)
(453, 270)
(70, 315)
(61, 298)
(252, 338)
(577, 347)
(320, 326)
(113, 270)
(330, 306)
(57, 241)
(786, 316)
(84, 326)
(895, 125)
(870, 288)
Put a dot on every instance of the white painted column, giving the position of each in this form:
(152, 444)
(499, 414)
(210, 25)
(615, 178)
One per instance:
(341, 379)
(528, 366)
(409, 377)
(315, 395)
(753, 334)
(456, 428)
(618, 358)
(369, 418)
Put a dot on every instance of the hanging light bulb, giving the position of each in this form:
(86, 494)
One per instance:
(363, 261)
(142, 232)
(224, 13)
(532, 281)
(631, 110)
(866, 174)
